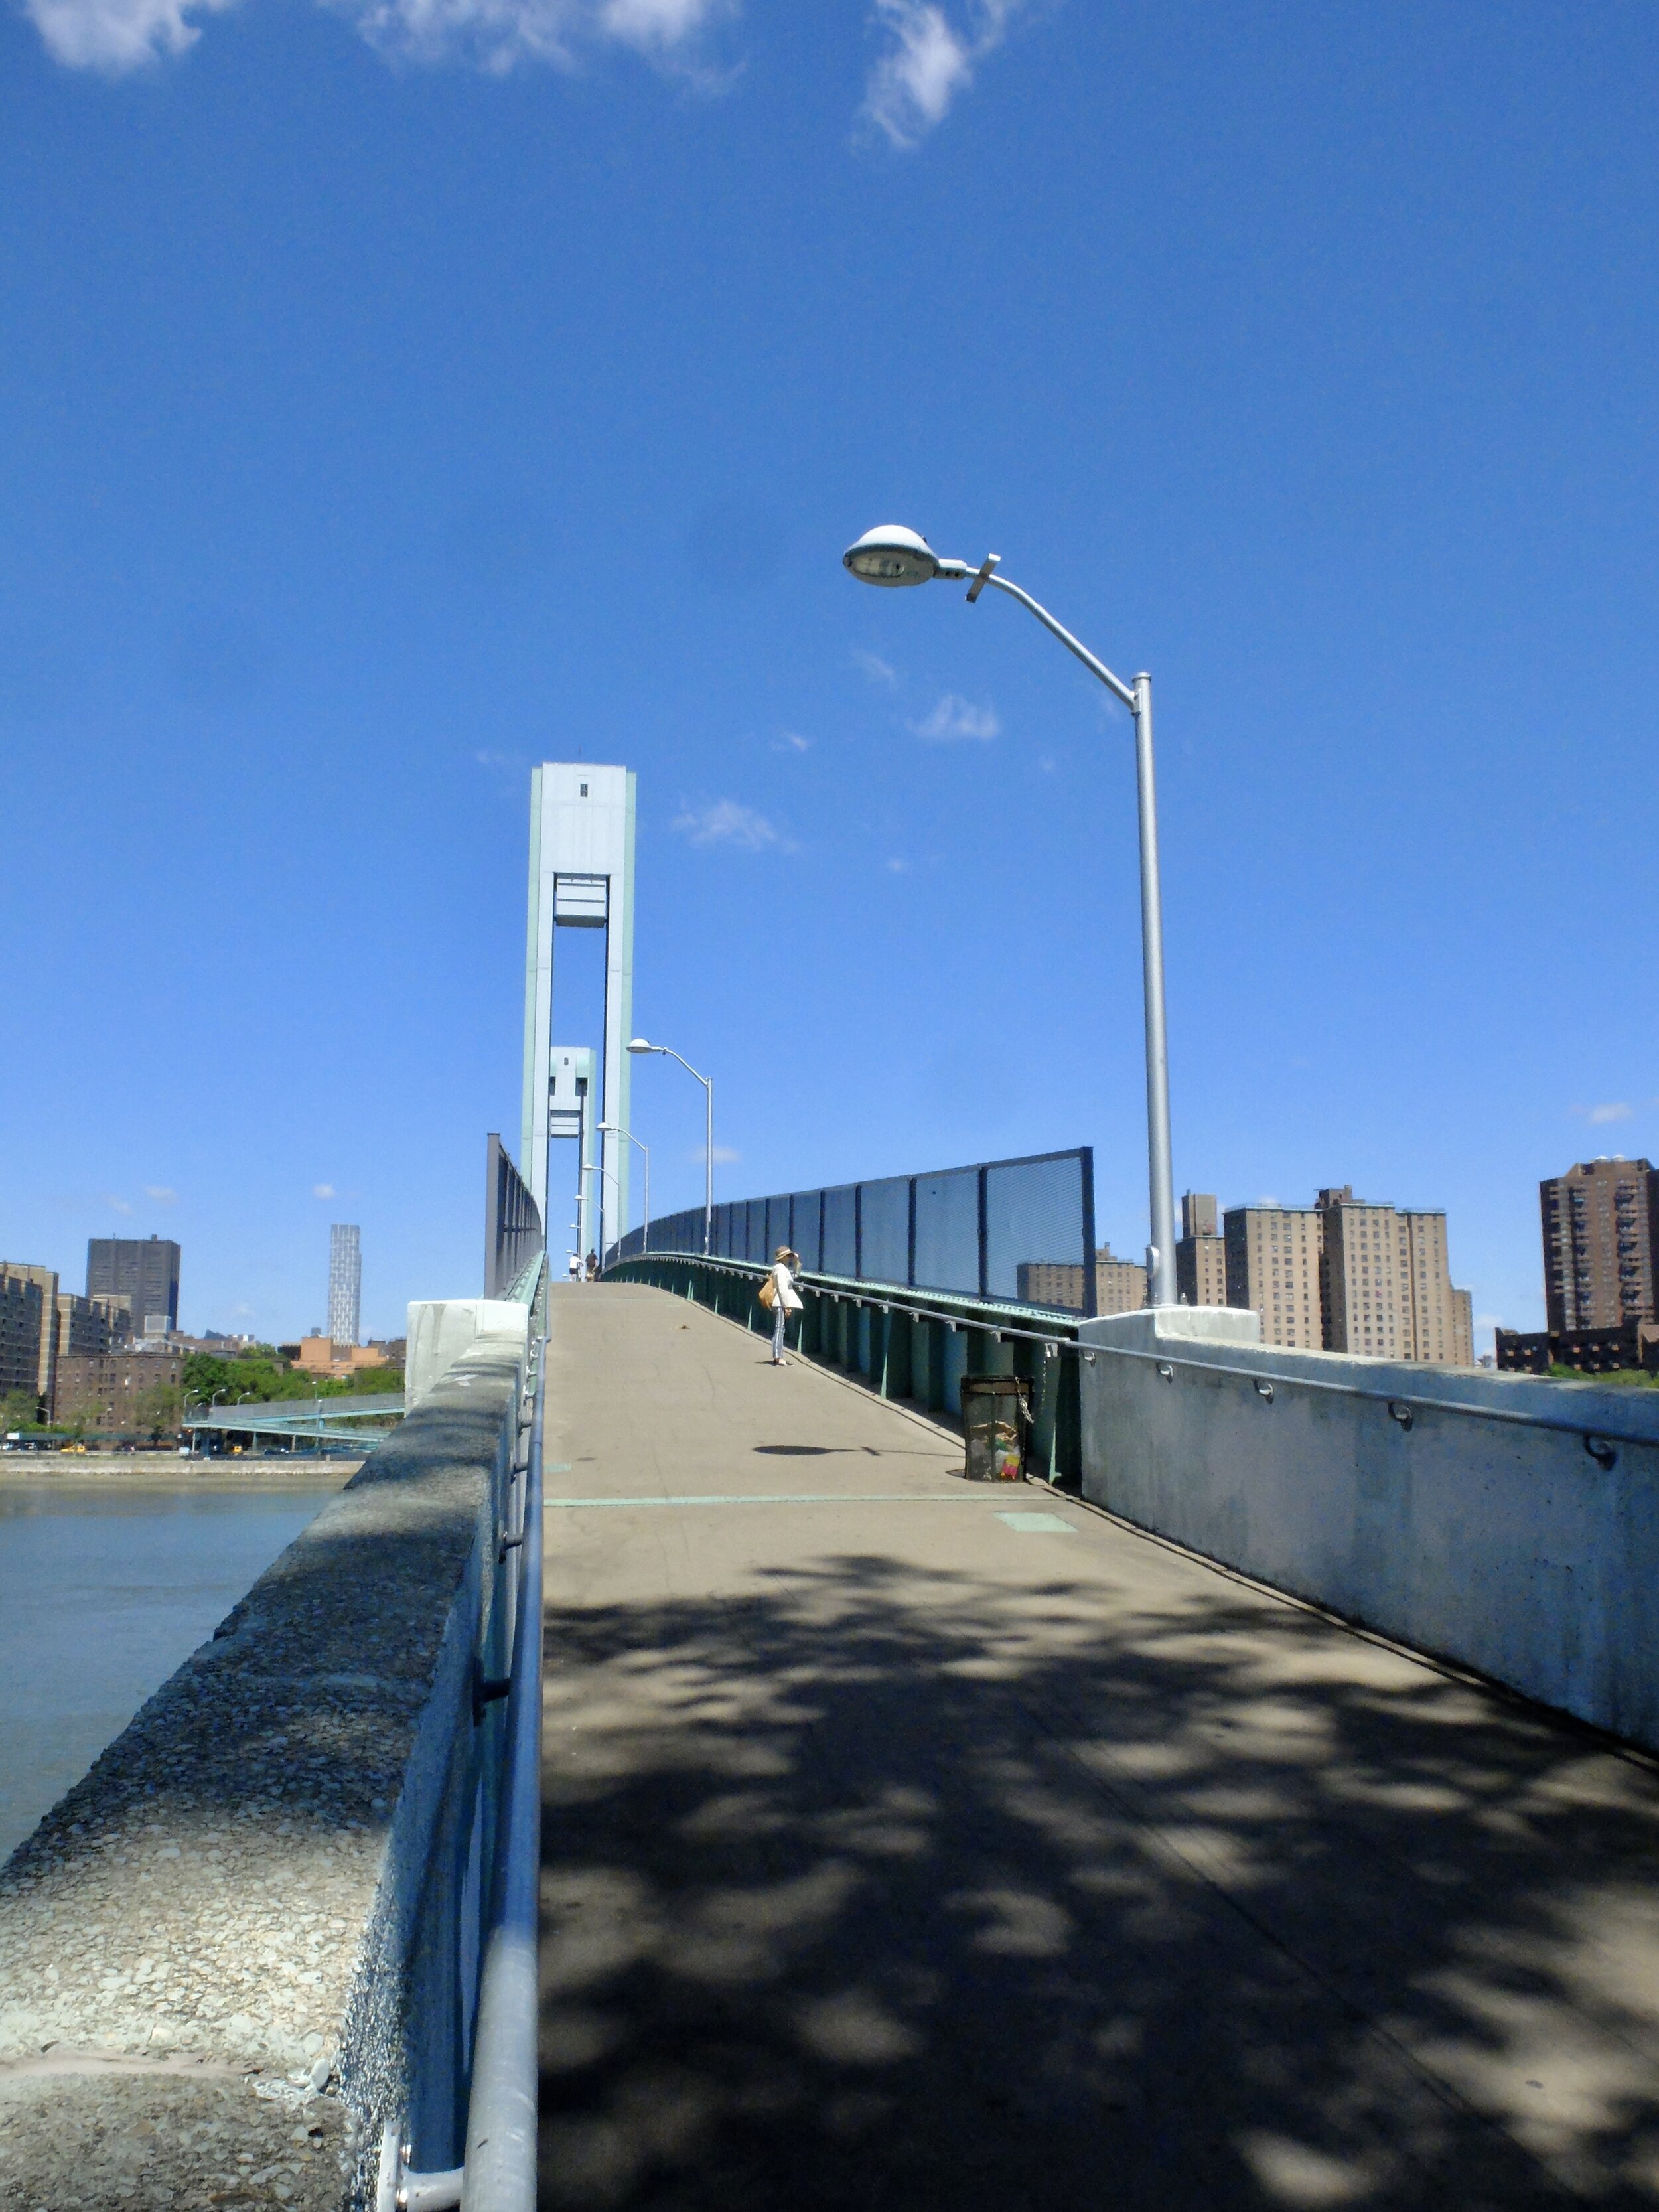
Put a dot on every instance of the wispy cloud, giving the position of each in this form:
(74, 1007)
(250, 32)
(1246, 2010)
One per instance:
(117, 36)
(322, 1190)
(116, 1205)
(930, 56)
(725, 822)
(792, 741)
(161, 1193)
(878, 670)
(724, 1156)
(1616, 1110)
(898, 867)
(956, 717)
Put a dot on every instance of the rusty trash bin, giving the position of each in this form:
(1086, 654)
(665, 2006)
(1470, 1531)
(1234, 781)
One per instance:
(996, 1419)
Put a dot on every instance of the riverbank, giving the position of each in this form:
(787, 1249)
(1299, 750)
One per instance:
(110, 1578)
(306, 1471)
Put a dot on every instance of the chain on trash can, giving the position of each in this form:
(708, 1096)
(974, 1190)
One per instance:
(996, 1416)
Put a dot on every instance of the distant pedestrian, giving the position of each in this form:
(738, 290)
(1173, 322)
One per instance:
(593, 1266)
(575, 1268)
(785, 1300)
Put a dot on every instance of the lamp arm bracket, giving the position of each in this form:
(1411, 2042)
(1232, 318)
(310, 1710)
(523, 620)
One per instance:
(1115, 684)
(983, 578)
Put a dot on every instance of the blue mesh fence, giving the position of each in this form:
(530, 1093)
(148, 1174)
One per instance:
(1018, 1230)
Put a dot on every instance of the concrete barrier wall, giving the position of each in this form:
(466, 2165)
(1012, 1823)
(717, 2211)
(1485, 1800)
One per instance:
(440, 1330)
(250, 1931)
(1507, 1548)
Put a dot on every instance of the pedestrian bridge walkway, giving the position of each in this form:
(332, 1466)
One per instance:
(910, 1844)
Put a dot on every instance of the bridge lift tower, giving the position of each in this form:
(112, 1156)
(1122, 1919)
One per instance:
(582, 876)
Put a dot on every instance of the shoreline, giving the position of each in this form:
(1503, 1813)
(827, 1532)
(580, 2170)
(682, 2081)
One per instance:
(167, 1468)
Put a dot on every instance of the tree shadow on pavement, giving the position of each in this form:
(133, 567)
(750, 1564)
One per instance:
(885, 1887)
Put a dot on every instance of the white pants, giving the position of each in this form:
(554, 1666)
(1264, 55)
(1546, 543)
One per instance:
(779, 1323)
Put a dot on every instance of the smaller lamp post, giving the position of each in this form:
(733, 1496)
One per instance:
(641, 1044)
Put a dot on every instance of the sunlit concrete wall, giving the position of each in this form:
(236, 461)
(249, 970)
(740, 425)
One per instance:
(1507, 1548)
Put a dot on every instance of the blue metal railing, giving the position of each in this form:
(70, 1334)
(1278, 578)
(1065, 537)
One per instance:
(1021, 1231)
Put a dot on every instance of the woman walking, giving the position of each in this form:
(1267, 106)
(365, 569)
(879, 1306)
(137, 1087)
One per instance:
(785, 1299)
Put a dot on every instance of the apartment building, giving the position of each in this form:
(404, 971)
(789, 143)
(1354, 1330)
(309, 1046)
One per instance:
(83, 1325)
(109, 1391)
(1364, 1277)
(43, 1322)
(1601, 1229)
(1271, 1262)
(20, 1302)
(1120, 1285)
(1200, 1253)
(1385, 1283)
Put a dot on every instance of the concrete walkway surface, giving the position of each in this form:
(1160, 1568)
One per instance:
(910, 1842)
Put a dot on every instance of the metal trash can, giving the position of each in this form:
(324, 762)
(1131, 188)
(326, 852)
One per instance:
(996, 1416)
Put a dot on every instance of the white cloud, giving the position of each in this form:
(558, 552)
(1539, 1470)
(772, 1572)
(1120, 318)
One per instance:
(929, 60)
(161, 1194)
(116, 35)
(724, 1155)
(956, 717)
(792, 742)
(117, 1205)
(1618, 1111)
(493, 35)
(878, 670)
(725, 822)
(322, 1190)
(496, 35)
(898, 867)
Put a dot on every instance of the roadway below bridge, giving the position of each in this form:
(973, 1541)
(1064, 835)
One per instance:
(912, 1843)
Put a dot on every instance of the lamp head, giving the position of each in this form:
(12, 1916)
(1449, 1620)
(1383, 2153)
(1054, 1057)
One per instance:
(891, 555)
(639, 1044)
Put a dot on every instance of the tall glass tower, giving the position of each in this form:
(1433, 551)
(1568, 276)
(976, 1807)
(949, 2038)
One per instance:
(345, 1282)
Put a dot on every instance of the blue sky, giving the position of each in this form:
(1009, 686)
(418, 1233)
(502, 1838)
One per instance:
(399, 392)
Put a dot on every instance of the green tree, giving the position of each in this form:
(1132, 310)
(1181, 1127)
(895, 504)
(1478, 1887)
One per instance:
(19, 1409)
(158, 1409)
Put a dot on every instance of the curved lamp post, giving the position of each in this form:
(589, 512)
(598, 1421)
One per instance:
(894, 556)
(616, 1129)
(640, 1044)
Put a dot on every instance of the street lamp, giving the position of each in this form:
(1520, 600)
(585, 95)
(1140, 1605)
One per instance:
(894, 558)
(639, 1044)
(616, 1129)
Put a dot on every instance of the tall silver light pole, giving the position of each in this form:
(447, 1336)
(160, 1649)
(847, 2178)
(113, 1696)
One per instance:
(615, 1129)
(639, 1044)
(894, 556)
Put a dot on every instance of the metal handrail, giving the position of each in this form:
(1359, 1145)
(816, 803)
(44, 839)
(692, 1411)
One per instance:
(1592, 1433)
(499, 2166)
(498, 2171)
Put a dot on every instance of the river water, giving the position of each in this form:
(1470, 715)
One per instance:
(106, 1587)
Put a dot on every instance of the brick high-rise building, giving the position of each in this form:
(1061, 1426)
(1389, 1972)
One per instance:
(83, 1325)
(21, 1322)
(145, 1267)
(1600, 1224)
(44, 1322)
(1385, 1284)
(1200, 1253)
(1273, 1266)
(1120, 1285)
